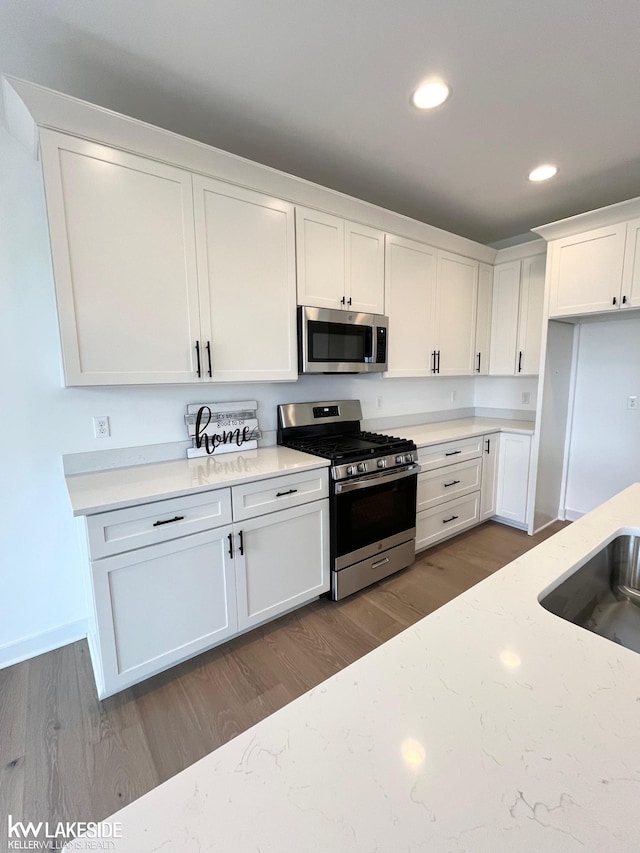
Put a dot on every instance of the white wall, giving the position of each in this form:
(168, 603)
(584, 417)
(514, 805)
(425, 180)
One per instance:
(505, 392)
(42, 599)
(604, 450)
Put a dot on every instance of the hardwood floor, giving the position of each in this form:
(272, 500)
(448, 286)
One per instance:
(66, 756)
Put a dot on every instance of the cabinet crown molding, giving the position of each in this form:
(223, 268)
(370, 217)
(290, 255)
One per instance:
(600, 218)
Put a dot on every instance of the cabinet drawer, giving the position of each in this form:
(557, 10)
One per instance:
(445, 484)
(252, 499)
(438, 455)
(442, 521)
(147, 524)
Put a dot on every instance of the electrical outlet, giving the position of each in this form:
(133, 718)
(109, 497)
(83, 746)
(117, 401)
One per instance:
(526, 397)
(101, 428)
(454, 396)
(379, 402)
(632, 402)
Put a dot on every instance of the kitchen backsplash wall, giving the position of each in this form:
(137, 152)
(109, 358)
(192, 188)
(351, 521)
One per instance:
(42, 583)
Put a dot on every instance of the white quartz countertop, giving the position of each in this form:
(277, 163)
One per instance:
(435, 433)
(119, 487)
(490, 725)
(116, 488)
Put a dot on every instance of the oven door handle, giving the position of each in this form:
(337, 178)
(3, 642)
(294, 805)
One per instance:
(377, 479)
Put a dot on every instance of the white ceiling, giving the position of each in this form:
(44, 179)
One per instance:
(321, 88)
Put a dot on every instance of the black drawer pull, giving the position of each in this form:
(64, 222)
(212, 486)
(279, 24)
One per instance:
(230, 538)
(168, 520)
(454, 483)
(282, 494)
(453, 453)
(447, 520)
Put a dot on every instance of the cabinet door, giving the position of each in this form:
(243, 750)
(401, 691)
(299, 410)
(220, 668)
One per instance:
(160, 605)
(320, 259)
(246, 274)
(122, 242)
(530, 315)
(513, 477)
(586, 272)
(489, 475)
(285, 561)
(504, 319)
(631, 274)
(456, 300)
(364, 268)
(483, 318)
(410, 295)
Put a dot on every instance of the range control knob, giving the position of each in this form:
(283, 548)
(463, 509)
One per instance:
(382, 463)
(399, 460)
(351, 469)
(362, 467)
(408, 457)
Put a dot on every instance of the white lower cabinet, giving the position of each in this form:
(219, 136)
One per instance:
(282, 561)
(162, 604)
(513, 477)
(170, 592)
(489, 475)
(446, 519)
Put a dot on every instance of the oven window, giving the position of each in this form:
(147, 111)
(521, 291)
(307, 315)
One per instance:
(338, 342)
(366, 516)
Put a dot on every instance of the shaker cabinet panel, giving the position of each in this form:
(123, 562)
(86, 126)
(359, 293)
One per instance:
(246, 271)
(490, 458)
(483, 319)
(320, 258)
(364, 268)
(122, 242)
(530, 315)
(631, 275)
(586, 272)
(456, 301)
(410, 297)
(513, 477)
(504, 318)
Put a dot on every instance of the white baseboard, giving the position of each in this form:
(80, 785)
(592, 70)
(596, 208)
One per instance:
(573, 514)
(38, 644)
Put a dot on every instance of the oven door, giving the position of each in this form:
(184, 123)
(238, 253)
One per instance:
(373, 513)
(336, 342)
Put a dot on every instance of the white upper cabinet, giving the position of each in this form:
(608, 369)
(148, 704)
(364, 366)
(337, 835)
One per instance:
(516, 317)
(340, 264)
(122, 242)
(483, 319)
(246, 271)
(530, 314)
(504, 318)
(630, 297)
(456, 301)
(410, 295)
(586, 272)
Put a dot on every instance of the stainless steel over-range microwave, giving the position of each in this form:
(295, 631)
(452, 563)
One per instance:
(333, 341)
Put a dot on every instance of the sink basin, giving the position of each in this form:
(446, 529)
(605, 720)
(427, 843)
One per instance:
(603, 596)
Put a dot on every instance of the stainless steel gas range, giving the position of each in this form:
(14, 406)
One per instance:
(372, 495)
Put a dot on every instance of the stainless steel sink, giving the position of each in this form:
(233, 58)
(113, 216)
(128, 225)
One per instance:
(603, 596)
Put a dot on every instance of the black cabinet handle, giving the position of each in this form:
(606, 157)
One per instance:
(241, 544)
(230, 538)
(453, 453)
(282, 494)
(478, 367)
(615, 301)
(349, 302)
(454, 483)
(520, 362)
(488, 445)
(433, 361)
(168, 520)
(198, 371)
(209, 357)
(624, 300)
(438, 368)
(447, 520)
(342, 301)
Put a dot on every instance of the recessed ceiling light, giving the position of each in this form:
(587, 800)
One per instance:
(430, 94)
(543, 173)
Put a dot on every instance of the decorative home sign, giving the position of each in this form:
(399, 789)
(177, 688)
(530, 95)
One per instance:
(222, 427)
